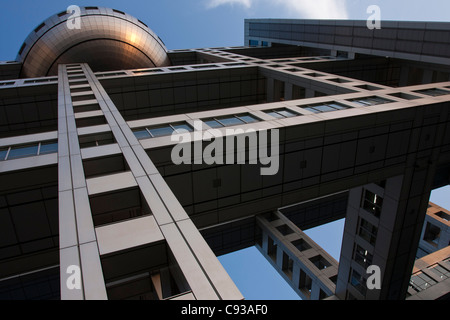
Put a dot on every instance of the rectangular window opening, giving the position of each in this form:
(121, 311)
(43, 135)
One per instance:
(372, 203)
(301, 245)
(432, 234)
(320, 262)
(370, 101)
(367, 231)
(118, 205)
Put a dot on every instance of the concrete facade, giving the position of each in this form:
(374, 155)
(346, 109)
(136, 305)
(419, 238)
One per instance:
(88, 179)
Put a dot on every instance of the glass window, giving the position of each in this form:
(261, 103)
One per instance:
(311, 109)
(275, 114)
(48, 147)
(3, 153)
(362, 103)
(362, 256)
(372, 203)
(141, 133)
(367, 231)
(248, 118)
(161, 131)
(213, 123)
(287, 113)
(230, 121)
(358, 282)
(370, 101)
(183, 126)
(253, 43)
(282, 113)
(433, 92)
(325, 107)
(338, 106)
(23, 151)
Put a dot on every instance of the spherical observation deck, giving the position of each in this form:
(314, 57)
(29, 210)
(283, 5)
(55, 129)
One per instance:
(106, 39)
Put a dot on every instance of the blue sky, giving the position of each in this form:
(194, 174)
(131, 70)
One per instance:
(211, 23)
(208, 23)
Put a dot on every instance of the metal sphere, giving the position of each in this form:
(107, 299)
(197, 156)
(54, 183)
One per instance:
(106, 39)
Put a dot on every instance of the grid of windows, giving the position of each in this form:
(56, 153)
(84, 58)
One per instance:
(28, 150)
(281, 113)
(325, 107)
(230, 120)
(163, 130)
(370, 101)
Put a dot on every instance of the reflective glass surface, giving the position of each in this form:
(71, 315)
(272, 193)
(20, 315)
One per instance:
(183, 126)
(162, 131)
(230, 121)
(3, 153)
(213, 123)
(23, 151)
(323, 108)
(275, 114)
(49, 147)
(141, 134)
(287, 113)
(248, 118)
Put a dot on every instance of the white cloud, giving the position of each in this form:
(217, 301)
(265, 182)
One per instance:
(306, 9)
(317, 9)
(216, 3)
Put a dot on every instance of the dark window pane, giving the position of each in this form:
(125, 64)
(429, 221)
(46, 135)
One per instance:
(163, 131)
(23, 151)
(433, 92)
(48, 147)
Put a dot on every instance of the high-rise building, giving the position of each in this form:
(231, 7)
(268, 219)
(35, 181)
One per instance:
(127, 168)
